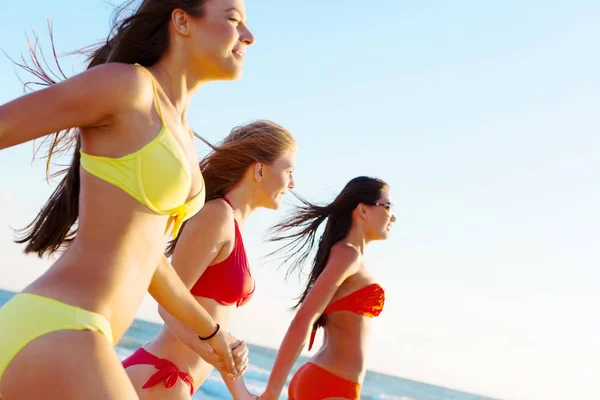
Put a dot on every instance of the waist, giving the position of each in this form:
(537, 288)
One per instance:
(342, 363)
(168, 346)
(343, 351)
(110, 286)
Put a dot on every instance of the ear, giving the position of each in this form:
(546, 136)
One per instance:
(181, 22)
(258, 171)
(362, 210)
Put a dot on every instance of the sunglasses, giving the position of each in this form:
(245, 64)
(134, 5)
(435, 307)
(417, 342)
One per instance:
(389, 207)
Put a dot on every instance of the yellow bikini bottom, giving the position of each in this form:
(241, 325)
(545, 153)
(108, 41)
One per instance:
(26, 317)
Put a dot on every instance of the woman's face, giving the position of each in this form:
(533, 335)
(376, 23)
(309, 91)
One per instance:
(277, 179)
(380, 217)
(219, 40)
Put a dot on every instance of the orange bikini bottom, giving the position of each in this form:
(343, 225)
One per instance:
(312, 382)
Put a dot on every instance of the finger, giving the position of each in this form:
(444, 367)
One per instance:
(239, 344)
(240, 351)
(233, 377)
(241, 362)
(230, 362)
(240, 373)
(235, 345)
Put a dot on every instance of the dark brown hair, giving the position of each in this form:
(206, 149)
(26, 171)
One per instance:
(299, 230)
(139, 36)
(260, 141)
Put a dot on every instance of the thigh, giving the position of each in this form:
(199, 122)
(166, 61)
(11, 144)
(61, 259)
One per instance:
(66, 365)
(139, 375)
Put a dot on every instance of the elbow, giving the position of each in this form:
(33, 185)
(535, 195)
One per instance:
(302, 322)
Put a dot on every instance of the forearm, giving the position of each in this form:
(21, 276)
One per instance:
(170, 292)
(186, 335)
(294, 341)
(237, 387)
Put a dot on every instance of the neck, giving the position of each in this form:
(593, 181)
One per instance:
(357, 238)
(242, 201)
(177, 82)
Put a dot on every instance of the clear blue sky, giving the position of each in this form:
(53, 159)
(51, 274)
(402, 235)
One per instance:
(483, 117)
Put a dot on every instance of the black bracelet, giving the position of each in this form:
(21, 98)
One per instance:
(212, 335)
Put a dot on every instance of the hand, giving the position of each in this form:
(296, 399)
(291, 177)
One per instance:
(232, 352)
(240, 356)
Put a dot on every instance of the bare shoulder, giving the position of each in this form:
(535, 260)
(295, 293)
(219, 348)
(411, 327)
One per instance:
(215, 217)
(127, 82)
(344, 257)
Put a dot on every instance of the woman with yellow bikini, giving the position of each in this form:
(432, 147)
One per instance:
(251, 169)
(133, 181)
(340, 295)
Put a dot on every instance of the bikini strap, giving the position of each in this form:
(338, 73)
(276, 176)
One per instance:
(237, 228)
(155, 90)
(227, 201)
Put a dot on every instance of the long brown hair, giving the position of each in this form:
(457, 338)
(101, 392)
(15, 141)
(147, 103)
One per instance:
(260, 141)
(138, 36)
(299, 231)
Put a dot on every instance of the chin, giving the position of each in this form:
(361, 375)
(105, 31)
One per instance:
(384, 236)
(229, 76)
(233, 76)
(274, 205)
(276, 201)
(232, 71)
(227, 72)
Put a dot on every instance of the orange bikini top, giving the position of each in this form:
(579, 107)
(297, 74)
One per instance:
(367, 301)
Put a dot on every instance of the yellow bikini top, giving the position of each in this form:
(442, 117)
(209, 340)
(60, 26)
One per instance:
(157, 175)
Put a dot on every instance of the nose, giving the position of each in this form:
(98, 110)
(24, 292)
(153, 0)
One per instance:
(291, 185)
(393, 219)
(246, 36)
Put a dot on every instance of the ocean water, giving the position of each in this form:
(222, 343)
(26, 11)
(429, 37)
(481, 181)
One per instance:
(376, 386)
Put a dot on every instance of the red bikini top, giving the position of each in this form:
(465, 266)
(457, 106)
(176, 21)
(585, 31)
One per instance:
(367, 301)
(230, 281)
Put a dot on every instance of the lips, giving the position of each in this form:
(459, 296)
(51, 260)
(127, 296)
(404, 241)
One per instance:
(239, 53)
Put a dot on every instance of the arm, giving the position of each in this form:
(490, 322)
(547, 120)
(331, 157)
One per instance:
(343, 262)
(85, 100)
(184, 334)
(189, 337)
(199, 244)
(237, 388)
(170, 292)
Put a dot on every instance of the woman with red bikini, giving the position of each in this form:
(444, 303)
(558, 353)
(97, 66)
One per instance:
(251, 169)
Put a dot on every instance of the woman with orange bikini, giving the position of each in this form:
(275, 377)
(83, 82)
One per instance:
(251, 169)
(340, 295)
